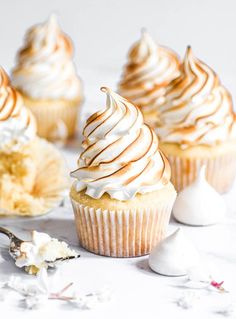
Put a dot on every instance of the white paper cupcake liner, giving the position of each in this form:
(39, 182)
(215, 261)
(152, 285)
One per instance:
(48, 116)
(121, 233)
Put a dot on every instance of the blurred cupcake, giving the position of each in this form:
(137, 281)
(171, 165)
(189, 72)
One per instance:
(197, 126)
(149, 70)
(123, 197)
(32, 173)
(46, 77)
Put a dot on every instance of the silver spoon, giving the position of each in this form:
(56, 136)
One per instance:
(15, 244)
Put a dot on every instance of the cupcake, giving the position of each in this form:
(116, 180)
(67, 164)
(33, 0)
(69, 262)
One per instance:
(46, 77)
(32, 173)
(122, 197)
(197, 126)
(149, 70)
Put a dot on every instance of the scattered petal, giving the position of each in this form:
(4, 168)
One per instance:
(33, 302)
(15, 283)
(89, 301)
(104, 295)
(187, 300)
(218, 285)
(37, 292)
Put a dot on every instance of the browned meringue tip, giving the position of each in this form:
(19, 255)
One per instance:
(4, 78)
(105, 89)
(189, 50)
(188, 56)
(52, 19)
(74, 173)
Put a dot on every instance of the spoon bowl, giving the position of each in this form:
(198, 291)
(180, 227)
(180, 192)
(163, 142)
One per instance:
(15, 249)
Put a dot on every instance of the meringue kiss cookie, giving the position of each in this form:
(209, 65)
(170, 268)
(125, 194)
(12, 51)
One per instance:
(199, 204)
(174, 255)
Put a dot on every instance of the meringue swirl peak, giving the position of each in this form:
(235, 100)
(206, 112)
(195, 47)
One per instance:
(197, 108)
(45, 69)
(143, 49)
(17, 124)
(174, 255)
(120, 154)
(149, 69)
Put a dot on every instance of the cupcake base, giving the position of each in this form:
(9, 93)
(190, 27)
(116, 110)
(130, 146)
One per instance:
(115, 228)
(220, 161)
(56, 119)
(38, 183)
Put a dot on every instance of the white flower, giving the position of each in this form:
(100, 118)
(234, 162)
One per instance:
(32, 302)
(104, 294)
(91, 300)
(22, 288)
(37, 292)
(187, 300)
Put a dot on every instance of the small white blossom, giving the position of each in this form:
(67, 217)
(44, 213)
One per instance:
(26, 289)
(37, 292)
(187, 300)
(33, 302)
(104, 294)
(91, 300)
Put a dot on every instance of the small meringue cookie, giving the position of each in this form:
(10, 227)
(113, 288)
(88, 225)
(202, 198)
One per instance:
(174, 255)
(199, 204)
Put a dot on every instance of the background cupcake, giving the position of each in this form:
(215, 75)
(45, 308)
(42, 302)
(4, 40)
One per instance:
(197, 126)
(45, 75)
(122, 198)
(149, 70)
(32, 173)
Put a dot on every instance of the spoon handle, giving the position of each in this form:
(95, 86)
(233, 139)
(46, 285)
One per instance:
(6, 232)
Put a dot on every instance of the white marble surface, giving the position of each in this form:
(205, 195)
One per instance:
(102, 31)
(137, 291)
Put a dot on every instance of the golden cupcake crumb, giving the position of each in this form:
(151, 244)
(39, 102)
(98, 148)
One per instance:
(31, 180)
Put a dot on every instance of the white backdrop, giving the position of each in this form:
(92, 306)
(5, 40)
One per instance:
(103, 30)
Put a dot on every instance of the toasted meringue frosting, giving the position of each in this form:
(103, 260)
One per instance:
(121, 155)
(196, 108)
(174, 255)
(149, 69)
(199, 204)
(17, 124)
(45, 69)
